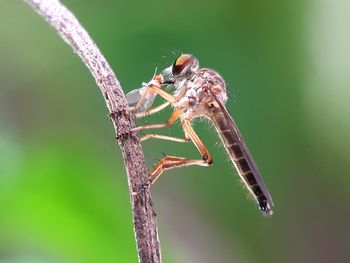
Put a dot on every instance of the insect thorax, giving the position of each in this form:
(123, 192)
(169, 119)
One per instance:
(202, 90)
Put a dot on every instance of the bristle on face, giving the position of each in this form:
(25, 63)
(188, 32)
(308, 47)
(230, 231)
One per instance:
(167, 72)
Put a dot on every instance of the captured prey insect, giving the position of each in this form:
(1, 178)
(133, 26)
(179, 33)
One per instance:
(199, 92)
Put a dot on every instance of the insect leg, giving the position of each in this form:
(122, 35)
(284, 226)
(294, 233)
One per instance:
(174, 116)
(170, 162)
(163, 137)
(186, 124)
(152, 111)
(155, 89)
(163, 93)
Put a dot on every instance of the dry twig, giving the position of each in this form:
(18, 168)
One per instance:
(68, 27)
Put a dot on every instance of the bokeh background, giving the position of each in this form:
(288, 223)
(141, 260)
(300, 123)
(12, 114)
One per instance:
(63, 188)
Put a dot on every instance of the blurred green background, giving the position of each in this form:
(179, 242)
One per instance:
(63, 188)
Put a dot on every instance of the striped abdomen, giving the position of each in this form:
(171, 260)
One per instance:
(241, 158)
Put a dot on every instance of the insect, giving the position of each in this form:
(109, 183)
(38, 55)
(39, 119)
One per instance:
(199, 92)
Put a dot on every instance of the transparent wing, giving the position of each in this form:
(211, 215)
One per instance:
(148, 102)
(135, 95)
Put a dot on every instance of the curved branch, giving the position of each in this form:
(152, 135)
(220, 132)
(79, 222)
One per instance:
(68, 27)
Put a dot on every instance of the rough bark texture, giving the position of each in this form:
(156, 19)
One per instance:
(144, 217)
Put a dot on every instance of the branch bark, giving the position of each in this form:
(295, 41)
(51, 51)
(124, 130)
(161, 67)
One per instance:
(144, 217)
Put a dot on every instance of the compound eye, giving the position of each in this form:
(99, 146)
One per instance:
(181, 64)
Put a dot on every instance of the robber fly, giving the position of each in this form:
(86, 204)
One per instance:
(199, 92)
